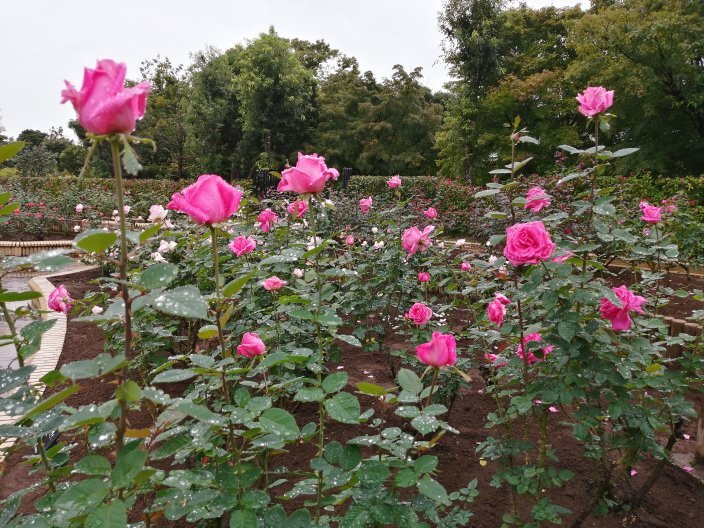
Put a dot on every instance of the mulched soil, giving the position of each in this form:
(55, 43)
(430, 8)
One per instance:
(676, 500)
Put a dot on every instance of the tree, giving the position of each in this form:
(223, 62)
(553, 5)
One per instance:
(35, 160)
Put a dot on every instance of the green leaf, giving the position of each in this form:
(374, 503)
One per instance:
(409, 381)
(10, 296)
(432, 489)
(371, 389)
(9, 209)
(349, 339)
(37, 328)
(148, 233)
(10, 150)
(279, 422)
(317, 249)
(184, 301)
(373, 473)
(51, 402)
(82, 496)
(158, 275)
(95, 240)
(208, 331)
(174, 375)
(236, 285)
(94, 465)
(425, 464)
(113, 515)
(129, 159)
(91, 368)
(334, 382)
(307, 395)
(128, 392)
(624, 152)
(487, 192)
(329, 319)
(130, 461)
(286, 255)
(343, 407)
(243, 519)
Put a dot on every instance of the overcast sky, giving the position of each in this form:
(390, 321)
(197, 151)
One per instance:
(43, 42)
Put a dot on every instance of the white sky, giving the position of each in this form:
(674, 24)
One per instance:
(43, 42)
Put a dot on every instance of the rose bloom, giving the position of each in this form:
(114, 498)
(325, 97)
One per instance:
(530, 357)
(414, 239)
(495, 360)
(104, 105)
(209, 200)
(297, 272)
(502, 298)
(349, 240)
(431, 212)
(157, 213)
(528, 243)
(619, 316)
(440, 351)
(308, 176)
(96, 310)
(465, 266)
(127, 209)
(423, 276)
(298, 208)
(562, 258)
(251, 345)
(595, 100)
(536, 199)
(495, 312)
(273, 283)
(59, 299)
(79, 208)
(394, 182)
(166, 245)
(365, 204)
(266, 219)
(419, 314)
(651, 213)
(242, 245)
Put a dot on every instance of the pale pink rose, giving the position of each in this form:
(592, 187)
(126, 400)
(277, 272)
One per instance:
(209, 200)
(308, 176)
(394, 182)
(59, 299)
(297, 272)
(423, 276)
(440, 351)
(127, 209)
(595, 100)
(465, 266)
(414, 239)
(79, 208)
(563, 257)
(298, 208)
(530, 357)
(104, 105)
(502, 298)
(157, 213)
(634, 472)
(688, 469)
(528, 243)
(431, 212)
(266, 219)
(349, 240)
(619, 316)
(273, 283)
(495, 360)
(365, 204)
(536, 199)
(419, 314)
(553, 409)
(251, 345)
(96, 310)
(651, 213)
(495, 312)
(242, 245)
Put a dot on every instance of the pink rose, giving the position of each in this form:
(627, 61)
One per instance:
(266, 219)
(414, 239)
(157, 213)
(394, 182)
(495, 312)
(59, 299)
(251, 345)
(439, 351)
(419, 314)
(528, 243)
(431, 212)
(651, 213)
(530, 357)
(563, 257)
(104, 105)
(423, 276)
(365, 204)
(619, 317)
(502, 298)
(465, 266)
(273, 283)
(209, 200)
(594, 100)
(298, 208)
(242, 245)
(349, 240)
(536, 199)
(308, 176)
(495, 360)
(79, 208)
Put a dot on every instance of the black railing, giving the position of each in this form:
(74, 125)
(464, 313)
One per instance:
(263, 180)
(345, 177)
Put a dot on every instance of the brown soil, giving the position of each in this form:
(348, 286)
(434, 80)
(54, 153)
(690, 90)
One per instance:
(676, 500)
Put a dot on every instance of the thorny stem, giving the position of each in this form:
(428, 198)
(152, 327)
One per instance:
(436, 371)
(13, 332)
(592, 185)
(45, 463)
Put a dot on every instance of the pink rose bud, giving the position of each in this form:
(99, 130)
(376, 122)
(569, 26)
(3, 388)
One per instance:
(528, 243)
(157, 213)
(266, 219)
(394, 182)
(651, 213)
(298, 208)
(440, 351)
(595, 100)
(530, 357)
(419, 314)
(688, 469)
(209, 200)
(298, 273)
(103, 104)
(431, 212)
(414, 239)
(536, 199)
(365, 204)
(251, 345)
(553, 409)
(79, 208)
(619, 315)
(242, 245)
(502, 298)
(423, 276)
(273, 283)
(59, 299)
(634, 472)
(349, 240)
(495, 312)
(308, 176)
(465, 266)
(495, 360)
